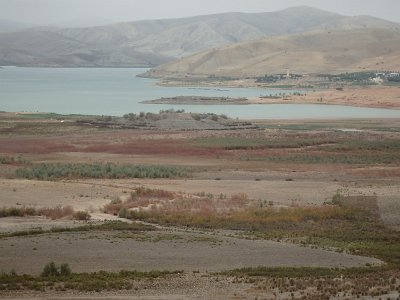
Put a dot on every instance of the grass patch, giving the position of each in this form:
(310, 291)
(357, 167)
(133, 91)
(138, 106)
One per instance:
(349, 224)
(107, 226)
(248, 143)
(282, 86)
(372, 145)
(86, 282)
(160, 200)
(351, 159)
(109, 171)
(250, 219)
(297, 127)
(52, 213)
(11, 160)
(330, 126)
(18, 212)
(40, 116)
(320, 283)
(298, 272)
(139, 198)
(333, 150)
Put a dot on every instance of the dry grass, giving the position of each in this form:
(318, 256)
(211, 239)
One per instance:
(235, 212)
(156, 200)
(141, 197)
(59, 212)
(207, 213)
(88, 282)
(321, 283)
(349, 224)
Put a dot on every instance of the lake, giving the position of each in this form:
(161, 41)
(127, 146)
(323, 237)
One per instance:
(113, 91)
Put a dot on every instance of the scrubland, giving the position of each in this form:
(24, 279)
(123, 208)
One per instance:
(291, 209)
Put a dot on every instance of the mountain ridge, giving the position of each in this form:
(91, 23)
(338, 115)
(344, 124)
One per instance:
(150, 43)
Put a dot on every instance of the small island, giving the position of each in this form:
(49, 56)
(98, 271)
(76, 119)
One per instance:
(198, 100)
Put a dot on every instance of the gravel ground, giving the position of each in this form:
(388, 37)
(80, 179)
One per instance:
(160, 250)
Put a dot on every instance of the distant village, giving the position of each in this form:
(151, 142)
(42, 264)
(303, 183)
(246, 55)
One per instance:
(381, 77)
(375, 77)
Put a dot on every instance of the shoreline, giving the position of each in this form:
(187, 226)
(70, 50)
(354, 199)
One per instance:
(258, 100)
(198, 100)
(382, 97)
(264, 101)
(7, 115)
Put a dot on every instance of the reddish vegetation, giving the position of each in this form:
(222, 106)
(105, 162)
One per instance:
(35, 146)
(178, 202)
(56, 213)
(141, 197)
(151, 147)
(155, 147)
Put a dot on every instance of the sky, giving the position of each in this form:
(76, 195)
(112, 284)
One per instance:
(56, 11)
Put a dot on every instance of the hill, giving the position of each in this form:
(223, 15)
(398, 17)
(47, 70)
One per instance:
(320, 52)
(11, 26)
(152, 42)
(52, 49)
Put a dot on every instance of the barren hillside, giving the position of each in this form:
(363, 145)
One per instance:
(153, 42)
(324, 51)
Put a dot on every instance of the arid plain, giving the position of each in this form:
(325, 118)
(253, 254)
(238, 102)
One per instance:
(228, 212)
(108, 192)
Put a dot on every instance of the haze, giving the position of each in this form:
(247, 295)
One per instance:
(108, 11)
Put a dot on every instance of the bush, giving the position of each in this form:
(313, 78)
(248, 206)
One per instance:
(140, 197)
(65, 270)
(196, 117)
(55, 171)
(79, 282)
(13, 160)
(58, 212)
(81, 215)
(50, 270)
(123, 212)
(130, 116)
(17, 212)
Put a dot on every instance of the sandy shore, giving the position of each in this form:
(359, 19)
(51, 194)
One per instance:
(371, 96)
(376, 97)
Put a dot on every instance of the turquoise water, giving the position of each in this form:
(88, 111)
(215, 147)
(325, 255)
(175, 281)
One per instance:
(110, 91)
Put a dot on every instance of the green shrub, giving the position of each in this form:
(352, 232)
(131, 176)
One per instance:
(65, 270)
(196, 117)
(52, 213)
(9, 160)
(107, 226)
(56, 171)
(50, 270)
(97, 281)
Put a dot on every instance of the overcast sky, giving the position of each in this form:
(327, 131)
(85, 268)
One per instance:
(55, 11)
